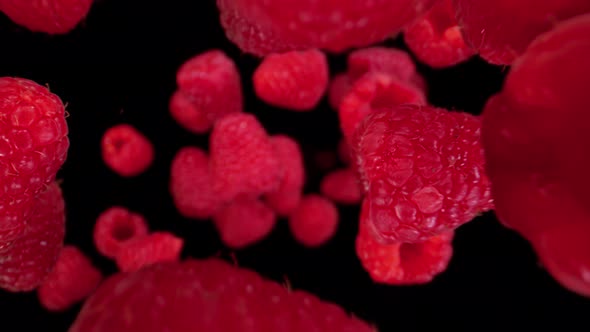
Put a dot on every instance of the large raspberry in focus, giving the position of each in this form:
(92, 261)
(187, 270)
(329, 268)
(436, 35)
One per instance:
(422, 170)
(49, 16)
(208, 295)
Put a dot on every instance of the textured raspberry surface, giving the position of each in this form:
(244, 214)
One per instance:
(115, 227)
(501, 30)
(287, 196)
(315, 221)
(191, 185)
(243, 159)
(374, 90)
(52, 17)
(126, 151)
(27, 261)
(338, 88)
(390, 61)
(72, 280)
(147, 250)
(33, 147)
(342, 186)
(208, 295)
(422, 170)
(244, 222)
(184, 110)
(401, 263)
(294, 80)
(436, 38)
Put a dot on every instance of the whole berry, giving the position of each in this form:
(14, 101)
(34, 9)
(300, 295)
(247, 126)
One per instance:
(126, 150)
(147, 250)
(115, 227)
(185, 111)
(314, 221)
(342, 186)
(48, 16)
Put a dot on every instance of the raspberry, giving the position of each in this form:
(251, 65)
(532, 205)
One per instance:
(374, 91)
(422, 170)
(436, 38)
(27, 261)
(147, 250)
(206, 295)
(294, 80)
(244, 222)
(342, 186)
(287, 196)
(52, 17)
(339, 87)
(243, 160)
(501, 30)
(390, 61)
(115, 227)
(33, 147)
(210, 83)
(314, 221)
(72, 279)
(126, 151)
(401, 263)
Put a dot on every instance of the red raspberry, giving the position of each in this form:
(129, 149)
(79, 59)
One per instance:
(501, 30)
(287, 196)
(314, 221)
(339, 87)
(211, 82)
(115, 227)
(436, 38)
(208, 295)
(184, 110)
(342, 186)
(294, 80)
(33, 147)
(126, 151)
(422, 170)
(52, 17)
(390, 61)
(401, 263)
(190, 184)
(373, 91)
(244, 222)
(243, 160)
(25, 263)
(147, 250)
(72, 279)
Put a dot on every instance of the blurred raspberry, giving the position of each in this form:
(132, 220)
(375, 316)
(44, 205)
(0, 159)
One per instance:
(342, 186)
(49, 16)
(126, 151)
(314, 221)
(150, 249)
(338, 88)
(115, 227)
(390, 61)
(185, 111)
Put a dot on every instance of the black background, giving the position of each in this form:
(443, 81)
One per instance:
(119, 66)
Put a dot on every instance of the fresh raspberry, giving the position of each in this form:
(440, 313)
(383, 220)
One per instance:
(244, 222)
(126, 151)
(339, 87)
(401, 263)
(115, 227)
(49, 16)
(436, 38)
(72, 279)
(243, 159)
(147, 250)
(287, 196)
(373, 91)
(184, 110)
(210, 81)
(33, 147)
(191, 186)
(342, 186)
(314, 221)
(422, 170)
(501, 30)
(344, 152)
(390, 61)
(294, 80)
(25, 263)
(225, 297)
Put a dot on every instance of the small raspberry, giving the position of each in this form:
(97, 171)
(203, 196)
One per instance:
(243, 159)
(52, 17)
(294, 80)
(244, 222)
(184, 110)
(422, 170)
(390, 61)
(339, 87)
(402, 263)
(147, 250)
(191, 186)
(26, 262)
(342, 186)
(72, 279)
(314, 221)
(126, 151)
(115, 227)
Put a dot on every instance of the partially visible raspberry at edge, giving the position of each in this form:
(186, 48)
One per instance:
(52, 17)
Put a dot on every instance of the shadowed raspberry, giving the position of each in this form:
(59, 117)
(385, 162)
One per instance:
(49, 16)
(115, 227)
(342, 186)
(147, 250)
(314, 221)
(126, 151)
(338, 88)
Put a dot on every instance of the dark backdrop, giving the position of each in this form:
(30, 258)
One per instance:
(119, 66)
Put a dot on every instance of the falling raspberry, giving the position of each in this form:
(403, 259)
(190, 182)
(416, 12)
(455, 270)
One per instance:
(342, 186)
(147, 250)
(52, 17)
(115, 227)
(390, 61)
(314, 221)
(338, 88)
(126, 151)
